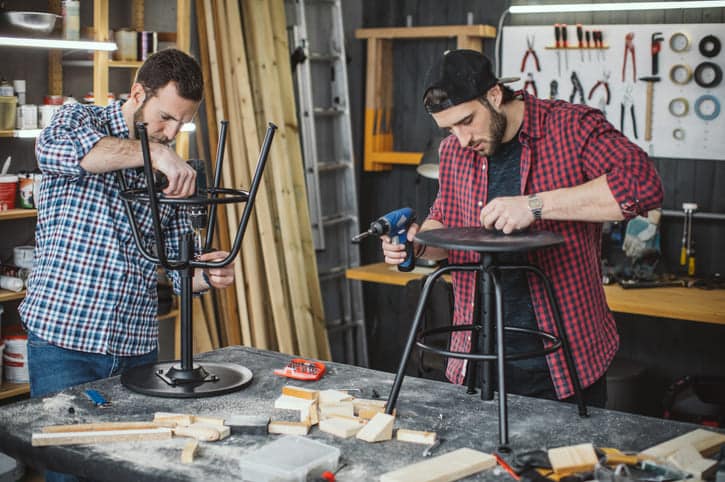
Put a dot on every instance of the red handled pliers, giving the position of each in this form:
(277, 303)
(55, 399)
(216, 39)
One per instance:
(530, 51)
(629, 47)
(530, 85)
(604, 82)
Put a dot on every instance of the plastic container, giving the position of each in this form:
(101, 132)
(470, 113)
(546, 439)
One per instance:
(27, 116)
(19, 86)
(8, 191)
(25, 187)
(15, 359)
(126, 41)
(23, 256)
(8, 111)
(71, 19)
(289, 459)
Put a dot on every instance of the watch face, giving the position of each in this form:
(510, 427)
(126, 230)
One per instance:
(535, 202)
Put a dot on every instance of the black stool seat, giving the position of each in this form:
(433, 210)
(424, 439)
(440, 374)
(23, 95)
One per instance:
(488, 310)
(483, 240)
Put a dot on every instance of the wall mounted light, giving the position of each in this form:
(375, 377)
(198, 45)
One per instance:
(48, 43)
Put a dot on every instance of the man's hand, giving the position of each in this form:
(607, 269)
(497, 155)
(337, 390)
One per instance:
(507, 214)
(218, 277)
(181, 176)
(395, 253)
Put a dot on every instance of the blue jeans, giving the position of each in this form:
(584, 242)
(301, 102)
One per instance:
(53, 369)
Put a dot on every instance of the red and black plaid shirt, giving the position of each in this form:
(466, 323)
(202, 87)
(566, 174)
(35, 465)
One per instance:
(563, 145)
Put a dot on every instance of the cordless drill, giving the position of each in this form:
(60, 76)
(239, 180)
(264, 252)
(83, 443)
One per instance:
(395, 224)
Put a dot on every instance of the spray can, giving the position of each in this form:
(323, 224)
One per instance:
(71, 19)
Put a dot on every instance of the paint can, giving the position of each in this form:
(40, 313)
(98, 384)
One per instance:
(27, 116)
(15, 359)
(25, 186)
(8, 191)
(23, 256)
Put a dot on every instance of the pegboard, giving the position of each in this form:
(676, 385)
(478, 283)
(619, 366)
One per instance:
(703, 139)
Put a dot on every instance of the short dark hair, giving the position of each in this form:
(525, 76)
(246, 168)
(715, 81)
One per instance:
(438, 96)
(172, 65)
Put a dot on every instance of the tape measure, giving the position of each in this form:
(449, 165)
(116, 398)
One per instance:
(301, 369)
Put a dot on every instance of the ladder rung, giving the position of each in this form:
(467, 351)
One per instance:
(332, 166)
(319, 57)
(348, 325)
(332, 273)
(332, 111)
(337, 219)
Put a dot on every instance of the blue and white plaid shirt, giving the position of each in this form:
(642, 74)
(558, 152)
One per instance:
(91, 290)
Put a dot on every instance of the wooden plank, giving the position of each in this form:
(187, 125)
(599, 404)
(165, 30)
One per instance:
(187, 455)
(296, 165)
(137, 14)
(443, 468)
(437, 31)
(108, 436)
(573, 458)
(18, 214)
(97, 427)
(100, 58)
(6, 295)
(300, 392)
(705, 441)
(183, 43)
(341, 427)
(257, 24)
(288, 428)
(689, 460)
(415, 436)
(9, 390)
(386, 274)
(203, 432)
(378, 429)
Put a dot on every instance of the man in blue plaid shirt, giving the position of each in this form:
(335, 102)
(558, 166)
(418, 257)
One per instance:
(91, 304)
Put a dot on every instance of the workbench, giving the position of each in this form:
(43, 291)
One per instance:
(692, 304)
(467, 421)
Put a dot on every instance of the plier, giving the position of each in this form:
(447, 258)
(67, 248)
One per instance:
(627, 102)
(576, 87)
(530, 51)
(530, 84)
(629, 47)
(604, 82)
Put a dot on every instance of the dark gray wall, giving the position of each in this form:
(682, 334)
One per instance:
(667, 348)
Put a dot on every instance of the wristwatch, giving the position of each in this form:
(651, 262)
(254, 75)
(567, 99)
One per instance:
(535, 205)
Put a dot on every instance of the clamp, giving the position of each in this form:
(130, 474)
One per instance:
(553, 89)
(604, 82)
(530, 51)
(576, 88)
(629, 48)
(530, 84)
(627, 103)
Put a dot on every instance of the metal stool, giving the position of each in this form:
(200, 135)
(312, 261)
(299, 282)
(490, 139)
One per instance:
(488, 244)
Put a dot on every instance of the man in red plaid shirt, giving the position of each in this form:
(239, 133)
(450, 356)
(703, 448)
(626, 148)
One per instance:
(515, 162)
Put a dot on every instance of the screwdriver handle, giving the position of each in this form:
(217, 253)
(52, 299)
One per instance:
(588, 36)
(580, 35)
(564, 35)
(557, 35)
(409, 262)
(691, 267)
(683, 255)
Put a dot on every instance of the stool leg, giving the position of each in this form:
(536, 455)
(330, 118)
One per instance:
(503, 425)
(427, 286)
(564, 341)
(472, 371)
(486, 301)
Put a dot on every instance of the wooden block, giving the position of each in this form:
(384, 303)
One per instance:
(341, 427)
(187, 455)
(333, 396)
(379, 428)
(443, 468)
(203, 432)
(289, 428)
(219, 422)
(287, 415)
(415, 436)
(299, 392)
(365, 408)
(97, 427)
(306, 407)
(166, 419)
(689, 460)
(704, 441)
(94, 437)
(574, 458)
(344, 409)
(248, 424)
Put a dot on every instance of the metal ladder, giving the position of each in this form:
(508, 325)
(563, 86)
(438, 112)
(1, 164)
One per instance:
(317, 46)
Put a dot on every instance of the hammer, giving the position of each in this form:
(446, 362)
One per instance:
(650, 94)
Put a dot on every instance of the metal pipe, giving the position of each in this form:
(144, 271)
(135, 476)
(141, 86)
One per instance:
(672, 213)
(503, 424)
(217, 180)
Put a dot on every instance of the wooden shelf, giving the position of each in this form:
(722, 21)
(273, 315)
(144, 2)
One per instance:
(435, 31)
(9, 390)
(17, 214)
(6, 295)
(21, 134)
(690, 304)
(125, 64)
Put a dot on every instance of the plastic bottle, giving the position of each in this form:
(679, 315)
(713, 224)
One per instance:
(71, 19)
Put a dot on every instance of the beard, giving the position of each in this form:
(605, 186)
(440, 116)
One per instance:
(496, 130)
(139, 116)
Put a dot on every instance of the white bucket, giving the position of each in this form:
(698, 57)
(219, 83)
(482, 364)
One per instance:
(15, 359)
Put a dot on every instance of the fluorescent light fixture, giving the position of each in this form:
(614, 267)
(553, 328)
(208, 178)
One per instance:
(26, 133)
(47, 43)
(618, 6)
(188, 127)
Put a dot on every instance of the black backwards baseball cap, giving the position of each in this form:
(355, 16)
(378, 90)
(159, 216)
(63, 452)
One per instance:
(463, 75)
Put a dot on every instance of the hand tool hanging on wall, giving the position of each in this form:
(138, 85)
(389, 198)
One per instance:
(530, 51)
(530, 85)
(656, 46)
(627, 104)
(557, 45)
(604, 82)
(598, 38)
(689, 247)
(629, 48)
(554, 89)
(580, 40)
(588, 36)
(576, 88)
(565, 45)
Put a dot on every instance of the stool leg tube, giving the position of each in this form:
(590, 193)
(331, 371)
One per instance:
(564, 341)
(395, 391)
(503, 426)
(472, 365)
(487, 325)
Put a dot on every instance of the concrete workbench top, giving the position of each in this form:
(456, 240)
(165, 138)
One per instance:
(467, 422)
